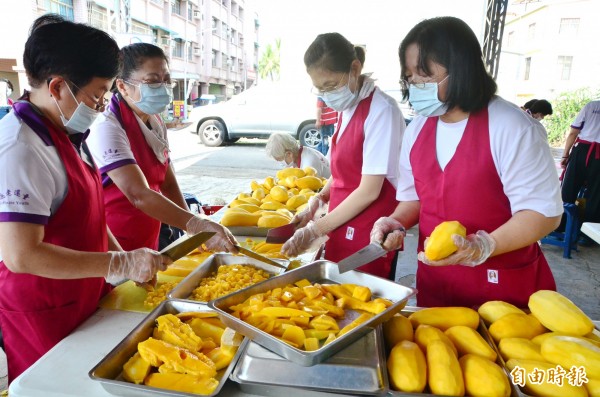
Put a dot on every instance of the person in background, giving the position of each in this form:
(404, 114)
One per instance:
(527, 105)
(325, 122)
(129, 144)
(364, 156)
(471, 157)
(540, 109)
(285, 149)
(53, 234)
(8, 92)
(581, 161)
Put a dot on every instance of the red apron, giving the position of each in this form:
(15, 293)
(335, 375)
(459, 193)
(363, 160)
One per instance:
(470, 191)
(37, 312)
(346, 169)
(131, 226)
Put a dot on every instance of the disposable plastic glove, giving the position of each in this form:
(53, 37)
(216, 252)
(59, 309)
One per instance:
(472, 251)
(389, 233)
(304, 239)
(307, 214)
(222, 241)
(139, 265)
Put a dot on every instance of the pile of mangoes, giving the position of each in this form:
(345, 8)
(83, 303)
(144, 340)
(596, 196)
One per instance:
(273, 202)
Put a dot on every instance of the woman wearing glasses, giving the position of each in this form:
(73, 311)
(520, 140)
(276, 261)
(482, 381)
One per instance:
(129, 144)
(363, 154)
(472, 157)
(53, 234)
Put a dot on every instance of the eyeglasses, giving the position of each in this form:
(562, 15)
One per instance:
(318, 92)
(100, 105)
(404, 84)
(152, 84)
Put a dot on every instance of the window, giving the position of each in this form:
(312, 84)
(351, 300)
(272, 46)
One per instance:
(224, 29)
(241, 13)
(176, 7)
(234, 8)
(527, 68)
(140, 28)
(225, 3)
(97, 16)
(232, 64)
(564, 67)
(215, 24)
(157, 1)
(233, 36)
(241, 39)
(224, 61)
(569, 27)
(190, 9)
(214, 58)
(511, 39)
(190, 51)
(61, 7)
(178, 48)
(531, 31)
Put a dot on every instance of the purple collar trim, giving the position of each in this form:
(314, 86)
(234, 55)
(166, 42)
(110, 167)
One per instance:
(115, 108)
(27, 112)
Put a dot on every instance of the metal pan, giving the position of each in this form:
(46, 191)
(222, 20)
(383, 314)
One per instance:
(108, 370)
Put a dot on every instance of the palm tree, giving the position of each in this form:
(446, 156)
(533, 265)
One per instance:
(269, 62)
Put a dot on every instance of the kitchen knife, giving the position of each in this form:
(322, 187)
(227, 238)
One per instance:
(281, 234)
(185, 244)
(258, 257)
(361, 257)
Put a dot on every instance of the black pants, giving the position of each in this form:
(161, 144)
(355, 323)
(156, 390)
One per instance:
(578, 175)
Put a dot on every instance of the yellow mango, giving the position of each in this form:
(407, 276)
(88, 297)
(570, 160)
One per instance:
(283, 312)
(440, 244)
(593, 387)
(250, 200)
(520, 348)
(286, 172)
(159, 353)
(362, 293)
(259, 193)
(294, 334)
(289, 182)
(330, 339)
(309, 182)
(425, 334)
(494, 310)
(569, 351)
(468, 341)
(355, 323)
(397, 329)
(295, 202)
(269, 182)
(309, 171)
(484, 377)
(221, 357)
(543, 388)
(316, 333)
(237, 202)
(279, 193)
(255, 185)
(538, 340)
(311, 344)
(557, 313)
(445, 317)
(272, 206)
(249, 207)
(243, 195)
(407, 368)
(271, 221)
(324, 322)
(285, 212)
(205, 329)
(301, 208)
(307, 192)
(240, 219)
(136, 369)
(182, 382)
(172, 330)
(516, 326)
(443, 370)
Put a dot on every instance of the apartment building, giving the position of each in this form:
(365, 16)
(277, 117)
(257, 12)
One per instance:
(212, 44)
(548, 48)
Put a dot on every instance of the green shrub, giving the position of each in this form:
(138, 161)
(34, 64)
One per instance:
(565, 108)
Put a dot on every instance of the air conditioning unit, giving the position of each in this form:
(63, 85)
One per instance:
(197, 14)
(165, 40)
(197, 51)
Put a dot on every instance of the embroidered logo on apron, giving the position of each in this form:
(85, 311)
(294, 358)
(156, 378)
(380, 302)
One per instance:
(350, 233)
(492, 276)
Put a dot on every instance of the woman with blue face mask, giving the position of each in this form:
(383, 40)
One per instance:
(129, 144)
(475, 158)
(364, 152)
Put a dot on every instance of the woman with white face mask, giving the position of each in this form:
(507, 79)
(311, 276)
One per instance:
(364, 152)
(129, 144)
(286, 150)
(475, 158)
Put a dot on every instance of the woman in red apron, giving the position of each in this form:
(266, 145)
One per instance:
(477, 159)
(364, 154)
(53, 234)
(129, 142)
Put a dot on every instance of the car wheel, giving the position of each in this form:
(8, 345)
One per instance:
(212, 133)
(310, 136)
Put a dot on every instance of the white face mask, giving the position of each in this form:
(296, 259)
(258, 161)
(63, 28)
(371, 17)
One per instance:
(424, 99)
(81, 119)
(341, 98)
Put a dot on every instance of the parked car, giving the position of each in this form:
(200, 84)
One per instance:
(257, 113)
(407, 111)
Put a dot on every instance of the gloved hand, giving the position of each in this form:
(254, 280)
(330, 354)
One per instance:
(139, 265)
(307, 214)
(472, 251)
(222, 241)
(310, 236)
(389, 233)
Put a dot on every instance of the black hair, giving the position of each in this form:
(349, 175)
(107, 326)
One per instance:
(450, 42)
(542, 106)
(133, 57)
(75, 51)
(528, 104)
(330, 51)
(360, 54)
(8, 83)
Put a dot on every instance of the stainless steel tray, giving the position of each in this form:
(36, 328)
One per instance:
(317, 272)
(108, 370)
(483, 331)
(184, 289)
(357, 369)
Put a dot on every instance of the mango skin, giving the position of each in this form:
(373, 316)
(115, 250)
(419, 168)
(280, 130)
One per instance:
(440, 244)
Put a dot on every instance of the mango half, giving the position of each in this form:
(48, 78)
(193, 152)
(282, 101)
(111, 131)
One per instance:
(440, 244)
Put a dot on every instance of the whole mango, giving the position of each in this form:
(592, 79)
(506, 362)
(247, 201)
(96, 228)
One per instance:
(440, 244)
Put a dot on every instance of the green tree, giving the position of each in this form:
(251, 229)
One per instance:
(269, 62)
(565, 108)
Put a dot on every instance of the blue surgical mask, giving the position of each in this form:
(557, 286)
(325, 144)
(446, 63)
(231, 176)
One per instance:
(424, 99)
(154, 100)
(81, 119)
(341, 98)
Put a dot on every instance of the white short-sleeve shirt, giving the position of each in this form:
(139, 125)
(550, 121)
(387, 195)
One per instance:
(384, 128)
(313, 158)
(519, 150)
(588, 121)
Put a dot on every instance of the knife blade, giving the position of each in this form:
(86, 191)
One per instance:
(361, 257)
(281, 234)
(185, 244)
(258, 257)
